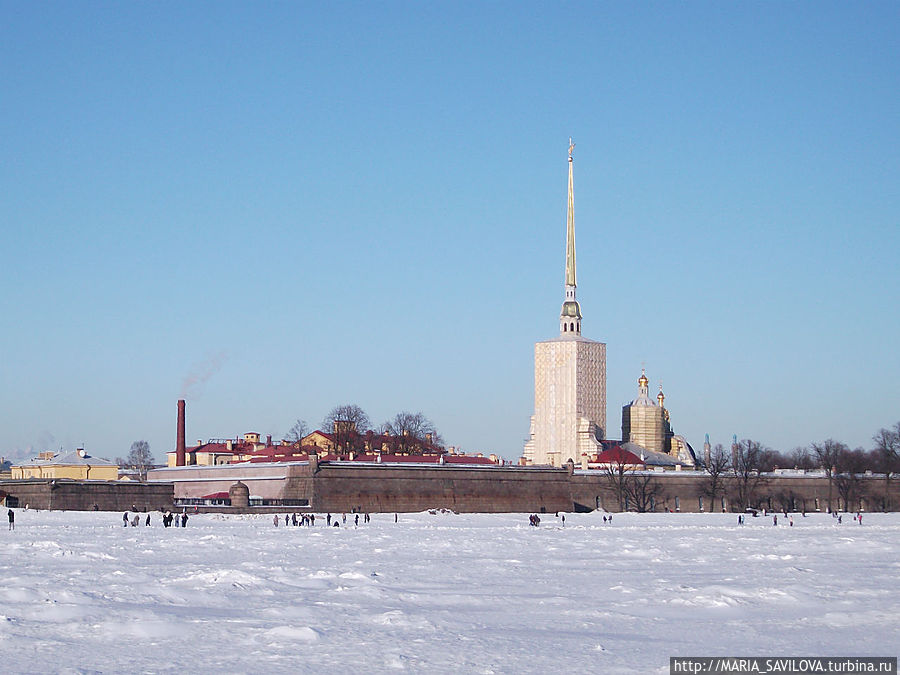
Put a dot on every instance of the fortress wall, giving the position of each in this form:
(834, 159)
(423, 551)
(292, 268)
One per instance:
(75, 495)
(265, 480)
(391, 488)
(342, 487)
(683, 490)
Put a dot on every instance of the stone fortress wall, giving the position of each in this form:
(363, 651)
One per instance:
(87, 495)
(344, 487)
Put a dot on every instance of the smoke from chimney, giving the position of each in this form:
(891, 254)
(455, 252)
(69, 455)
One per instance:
(179, 443)
(193, 384)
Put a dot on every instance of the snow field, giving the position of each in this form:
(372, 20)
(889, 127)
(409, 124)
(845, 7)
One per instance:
(444, 593)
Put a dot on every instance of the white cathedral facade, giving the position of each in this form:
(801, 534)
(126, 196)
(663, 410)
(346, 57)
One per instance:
(569, 378)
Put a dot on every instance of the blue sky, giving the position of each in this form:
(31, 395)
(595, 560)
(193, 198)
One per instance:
(299, 205)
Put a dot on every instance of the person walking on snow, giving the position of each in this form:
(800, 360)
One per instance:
(12, 519)
(125, 519)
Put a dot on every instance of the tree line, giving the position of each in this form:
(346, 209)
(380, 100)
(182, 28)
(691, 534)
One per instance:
(351, 428)
(741, 469)
(739, 473)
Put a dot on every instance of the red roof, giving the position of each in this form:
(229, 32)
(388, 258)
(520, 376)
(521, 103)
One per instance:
(372, 458)
(618, 455)
(216, 495)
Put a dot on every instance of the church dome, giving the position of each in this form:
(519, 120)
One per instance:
(643, 398)
(571, 308)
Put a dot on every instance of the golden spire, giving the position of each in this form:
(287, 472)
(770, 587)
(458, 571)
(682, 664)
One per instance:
(570, 226)
(570, 316)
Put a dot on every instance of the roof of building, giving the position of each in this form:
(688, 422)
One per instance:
(73, 458)
(632, 453)
(618, 455)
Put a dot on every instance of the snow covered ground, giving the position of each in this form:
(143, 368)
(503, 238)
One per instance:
(441, 593)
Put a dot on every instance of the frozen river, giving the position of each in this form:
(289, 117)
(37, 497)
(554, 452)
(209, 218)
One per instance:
(441, 593)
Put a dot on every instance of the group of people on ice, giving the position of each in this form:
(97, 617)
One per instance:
(309, 519)
(790, 518)
(168, 519)
(857, 517)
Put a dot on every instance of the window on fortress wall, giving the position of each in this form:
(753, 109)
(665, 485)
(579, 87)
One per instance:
(652, 504)
(817, 504)
(700, 500)
(677, 504)
(723, 504)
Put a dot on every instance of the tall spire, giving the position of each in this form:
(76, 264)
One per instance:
(570, 317)
(570, 226)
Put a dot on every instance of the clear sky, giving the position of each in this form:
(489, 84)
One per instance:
(275, 208)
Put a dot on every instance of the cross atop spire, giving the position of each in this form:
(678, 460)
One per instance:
(570, 317)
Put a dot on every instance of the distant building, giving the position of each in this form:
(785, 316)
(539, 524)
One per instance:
(77, 465)
(344, 443)
(569, 378)
(645, 421)
(646, 424)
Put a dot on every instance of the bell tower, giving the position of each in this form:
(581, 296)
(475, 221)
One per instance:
(569, 418)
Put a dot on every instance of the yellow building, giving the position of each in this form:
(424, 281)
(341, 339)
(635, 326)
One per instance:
(646, 424)
(77, 465)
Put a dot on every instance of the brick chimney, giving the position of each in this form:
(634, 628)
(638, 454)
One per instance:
(179, 443)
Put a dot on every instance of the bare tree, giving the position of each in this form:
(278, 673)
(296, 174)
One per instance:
(297, 432)
(717, 468)
(348, 423)
(139, 459)
(746, 463)
(887, 454)
(616, 474)
(786, 500)
(769, 460)
(848, 478)
(801, 459)
(827, 455)
(643, 490)
(346, 413)
(411, 430)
